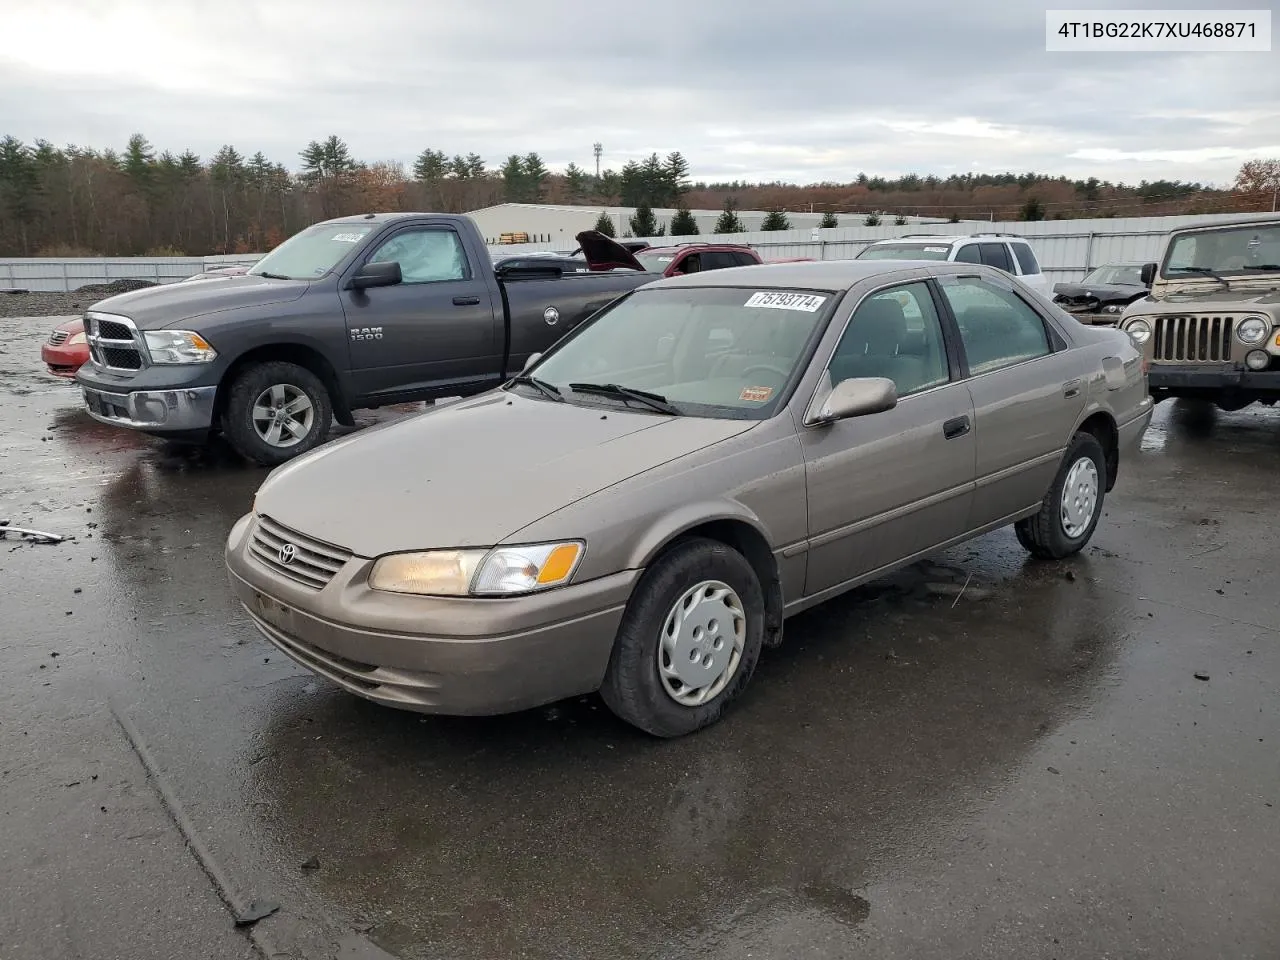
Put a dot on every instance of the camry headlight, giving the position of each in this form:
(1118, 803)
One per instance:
(76, 339)
(1139, 331)
(503, 571)
(1252, 330)
(179, 346)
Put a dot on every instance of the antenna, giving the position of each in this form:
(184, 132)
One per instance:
(597, 150)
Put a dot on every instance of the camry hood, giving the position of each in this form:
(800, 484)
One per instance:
(474, 473)
(1097, 291)
(172, 303)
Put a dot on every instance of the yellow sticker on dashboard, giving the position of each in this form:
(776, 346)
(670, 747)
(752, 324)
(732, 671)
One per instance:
(756, 394)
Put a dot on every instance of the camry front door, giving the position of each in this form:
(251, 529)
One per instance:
(891, 485)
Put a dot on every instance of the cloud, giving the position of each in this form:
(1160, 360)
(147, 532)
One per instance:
(815, 90)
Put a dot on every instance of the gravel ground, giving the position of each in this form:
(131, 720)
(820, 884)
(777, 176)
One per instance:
(38, 304)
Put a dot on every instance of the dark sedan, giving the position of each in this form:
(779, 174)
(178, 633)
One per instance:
(1103, 294)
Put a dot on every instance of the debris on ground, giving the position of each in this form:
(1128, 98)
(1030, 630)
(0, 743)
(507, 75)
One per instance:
(255, 911)
(311, 863)
(1201, 675)
(36, 536)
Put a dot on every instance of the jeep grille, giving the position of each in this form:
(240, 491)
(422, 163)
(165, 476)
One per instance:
(1193, 339)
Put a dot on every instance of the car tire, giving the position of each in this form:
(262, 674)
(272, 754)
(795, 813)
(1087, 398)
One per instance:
(263, 386)
(1071, 509)
(639, 685)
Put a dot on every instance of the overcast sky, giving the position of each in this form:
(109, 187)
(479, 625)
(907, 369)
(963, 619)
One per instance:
(801, 91)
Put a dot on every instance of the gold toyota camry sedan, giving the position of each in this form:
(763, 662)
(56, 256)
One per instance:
(640, 509)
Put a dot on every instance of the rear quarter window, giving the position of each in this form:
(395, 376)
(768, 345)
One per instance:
(968, 253)
(1026, 258)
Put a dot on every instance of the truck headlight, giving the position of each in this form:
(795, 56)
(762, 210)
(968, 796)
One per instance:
(179, 346)
(1139, 331)
(503, 571)
(1252, 330)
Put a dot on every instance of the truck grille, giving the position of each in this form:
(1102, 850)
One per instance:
(113, 343)
(311, 562)
(1193, 339)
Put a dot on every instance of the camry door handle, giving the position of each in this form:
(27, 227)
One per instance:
(1071, 388)
(956, 427)
(465, 301)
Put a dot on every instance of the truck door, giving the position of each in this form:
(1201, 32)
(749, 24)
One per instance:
(434, 330)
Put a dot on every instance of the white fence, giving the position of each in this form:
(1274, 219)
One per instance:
(1066, 249)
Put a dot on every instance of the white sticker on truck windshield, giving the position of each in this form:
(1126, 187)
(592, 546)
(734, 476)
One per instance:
(807, 302)
(348, 237)
(936, 249)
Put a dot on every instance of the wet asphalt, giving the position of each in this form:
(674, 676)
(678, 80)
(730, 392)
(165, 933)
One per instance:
(1030, 769)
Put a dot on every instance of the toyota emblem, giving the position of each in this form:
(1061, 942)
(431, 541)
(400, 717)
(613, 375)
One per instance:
(287, 552)
(551, 315)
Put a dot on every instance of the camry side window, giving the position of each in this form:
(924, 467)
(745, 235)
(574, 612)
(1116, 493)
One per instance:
(895, 334)
(997, 327)
(425, 256)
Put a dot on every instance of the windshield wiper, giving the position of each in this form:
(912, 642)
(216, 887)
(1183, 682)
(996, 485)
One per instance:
(275, 276)
(549, 390)
(1205, 271)
(655, 401)
(1264, 266)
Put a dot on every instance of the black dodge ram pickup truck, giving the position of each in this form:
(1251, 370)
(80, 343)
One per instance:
(352, 313)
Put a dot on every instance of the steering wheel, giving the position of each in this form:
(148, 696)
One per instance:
(765, 366)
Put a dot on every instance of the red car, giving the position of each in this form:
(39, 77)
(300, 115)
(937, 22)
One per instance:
(676, 260)
(65, 350)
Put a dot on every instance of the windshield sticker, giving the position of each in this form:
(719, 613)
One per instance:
(348, 237)
(756, 394)
(935, 249)
(786, 301)
(665, 259)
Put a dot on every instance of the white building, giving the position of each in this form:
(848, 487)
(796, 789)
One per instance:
(556, 226)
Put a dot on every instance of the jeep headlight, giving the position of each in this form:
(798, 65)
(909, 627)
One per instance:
(503, 571)
(178, 346)
(1252, 330)
(1139, 331)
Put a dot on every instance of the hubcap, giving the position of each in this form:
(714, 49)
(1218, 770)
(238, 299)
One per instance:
(701, 643)
(283, 415)
(1079, 497)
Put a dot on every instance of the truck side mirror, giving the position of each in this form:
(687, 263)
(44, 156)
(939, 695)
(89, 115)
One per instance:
(380, 273)
(1148, 274)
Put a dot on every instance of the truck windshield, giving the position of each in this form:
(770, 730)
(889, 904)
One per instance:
(906, 251)
(1230, 250)
(724, 352)
(1118, 274)
(655, 262)
(313, 252)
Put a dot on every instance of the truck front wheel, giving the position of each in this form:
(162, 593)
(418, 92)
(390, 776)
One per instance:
(276, 411)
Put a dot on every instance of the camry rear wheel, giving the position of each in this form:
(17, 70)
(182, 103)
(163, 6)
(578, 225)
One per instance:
(1071, 509)
(689, 640)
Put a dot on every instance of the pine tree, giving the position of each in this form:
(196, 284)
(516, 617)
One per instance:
(873, 220)
(575, 183)
(728, 222)
(431, 166)
(775, 220)
(644, 223)
(954, 218)
(899, 221)
(677, 176)
(139, 161)
(535, 172)
(605, 225)
(1032, 210)
(828, 221)
(684, 224)
(513, 180)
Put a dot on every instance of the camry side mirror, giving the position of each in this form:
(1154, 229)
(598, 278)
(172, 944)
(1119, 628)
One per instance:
(858, 397)
(1148, 274)
(380, 273)
(533, 358)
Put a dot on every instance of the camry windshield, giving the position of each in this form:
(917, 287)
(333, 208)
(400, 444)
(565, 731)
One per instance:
(1117, 275)
(906, 251)
(700, 351)
(1233, 250)
(313, 252)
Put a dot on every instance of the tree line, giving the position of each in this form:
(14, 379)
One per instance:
(81, 201)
